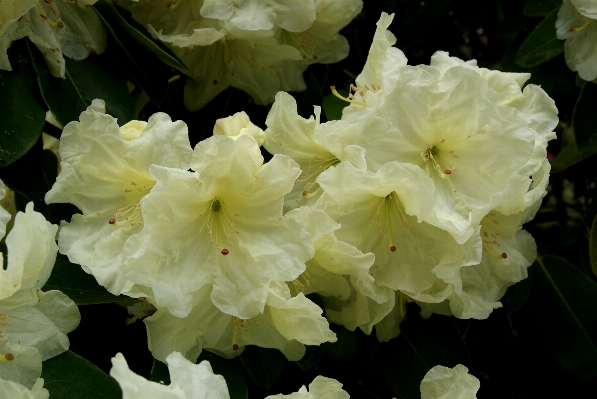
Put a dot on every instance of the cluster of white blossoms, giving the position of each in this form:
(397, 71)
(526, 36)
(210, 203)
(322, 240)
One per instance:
(33, 323)
(575, 25)
(259, 46)
(198, 381)
(56, 27)
(418, 193)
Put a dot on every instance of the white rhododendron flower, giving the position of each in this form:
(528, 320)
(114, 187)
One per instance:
(462, 155)
(383, 213)
(105, 173)
(188, 381)
(286, 324)
(33, 323)
(321, 387)
(238, 125)
(56, 27)
(339, 272)
(220, 225)
(4, 213)
(449, 383)
(259, 47)
(15, 390)
(576, 25)
(290, 134)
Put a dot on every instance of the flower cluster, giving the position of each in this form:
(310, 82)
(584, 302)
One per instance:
(57, 28)
(198, 381)
(33, 323)
(575, 25)
(417, 194)
(260, 47)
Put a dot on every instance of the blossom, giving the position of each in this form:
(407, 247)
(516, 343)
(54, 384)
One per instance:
(259, 47)
(17, 391)
(455, 130)
(339, 273)
(290, 134)
(220, 225)
(383, 212)
(575, 25)
(286, 324)
(55, 27)
(105, 173)
(321, 387)
(188, 380)
(33, 323)
(238, 125)
(474, 291)
(444, 383)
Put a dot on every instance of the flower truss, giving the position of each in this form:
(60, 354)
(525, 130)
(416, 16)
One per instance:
(576, 25)
(57, 28)
(33, 323)
(259, 47)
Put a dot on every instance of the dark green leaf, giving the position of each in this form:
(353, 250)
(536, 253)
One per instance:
(232, 372)
(138, 33)
(27, 175)
(95, 77)
(571, 155)
(22, 114)
(69, 376)
(541, 45)
(333, 106)
(583, 118)
(421, 345)
(593, 246)
(540, 8)
(78, 285)
(160, 373)
(141, 65)
(563, 310)
(263, 365)
(517, 295)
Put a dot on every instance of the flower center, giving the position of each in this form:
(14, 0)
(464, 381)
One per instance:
(309, 175)
(240, 325)
(432, 156)
(390, 210)
(218, 59)
(304, 43)
(218, 225)
(130, 213)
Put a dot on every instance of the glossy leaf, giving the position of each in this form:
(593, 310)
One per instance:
(95, 77)
(78, 285)
(69, 376)
(421, 345)
(583, 118)
(263, 365)
(232, 372)
(540, 8)
(333, 106)
(571, 155)
(28, 176)
(138, 33)
(517, 295)
(563, 308)
(541, 45)
(141, 65)
(22, 113)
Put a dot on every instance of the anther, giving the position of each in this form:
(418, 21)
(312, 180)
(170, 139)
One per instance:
(112, 221)
(225, 251)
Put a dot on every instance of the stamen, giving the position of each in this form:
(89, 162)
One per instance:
(335, 93)
(581, 27)
(314, 169)
(215, 222)
(431, 154)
